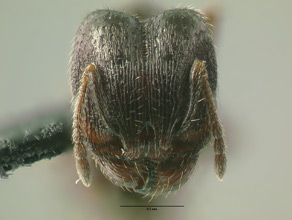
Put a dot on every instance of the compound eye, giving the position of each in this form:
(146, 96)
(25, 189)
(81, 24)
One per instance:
(183, 146)
(107, 144)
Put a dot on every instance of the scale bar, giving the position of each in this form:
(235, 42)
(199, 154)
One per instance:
(152, 206)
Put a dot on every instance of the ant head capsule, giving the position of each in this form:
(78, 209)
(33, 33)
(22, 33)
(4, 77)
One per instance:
(144, 98)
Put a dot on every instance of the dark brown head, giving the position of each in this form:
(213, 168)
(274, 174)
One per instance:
(144, 115)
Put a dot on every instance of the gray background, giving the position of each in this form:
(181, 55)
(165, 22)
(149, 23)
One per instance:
(254, 59)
